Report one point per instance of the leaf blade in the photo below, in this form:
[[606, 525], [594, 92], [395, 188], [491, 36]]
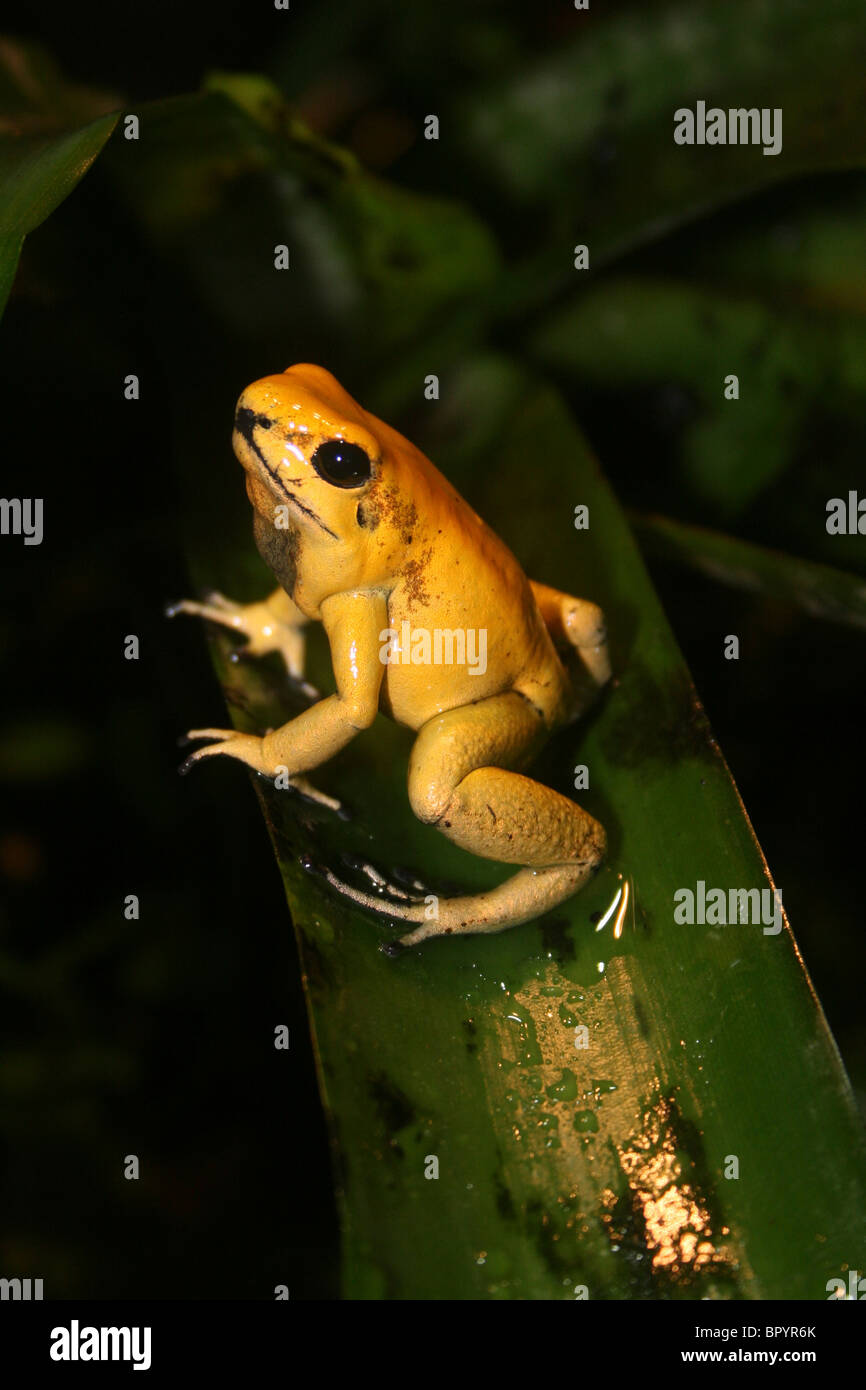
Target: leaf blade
[[563, 1169]]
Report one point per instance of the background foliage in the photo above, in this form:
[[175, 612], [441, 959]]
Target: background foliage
[[409, 257]]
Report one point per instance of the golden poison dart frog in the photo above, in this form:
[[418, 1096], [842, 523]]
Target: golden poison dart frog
[[430, 619]]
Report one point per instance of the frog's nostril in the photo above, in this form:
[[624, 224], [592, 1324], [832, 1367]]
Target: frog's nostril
[[246, 421]]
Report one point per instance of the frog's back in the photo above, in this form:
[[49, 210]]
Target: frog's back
[[459, 584]]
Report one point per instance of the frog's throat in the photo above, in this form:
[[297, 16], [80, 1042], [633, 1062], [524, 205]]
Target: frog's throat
[[278, 549]]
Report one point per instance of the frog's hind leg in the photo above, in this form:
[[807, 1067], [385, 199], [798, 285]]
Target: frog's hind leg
[[579, 634], [462, 780]]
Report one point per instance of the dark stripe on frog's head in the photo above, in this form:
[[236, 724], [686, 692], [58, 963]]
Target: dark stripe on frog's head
[[246, 421]]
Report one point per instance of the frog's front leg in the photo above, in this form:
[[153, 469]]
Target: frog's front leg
[[462, 780], [275, 624], [353, 623]]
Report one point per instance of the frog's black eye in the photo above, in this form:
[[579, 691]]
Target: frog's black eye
[[340, 463]]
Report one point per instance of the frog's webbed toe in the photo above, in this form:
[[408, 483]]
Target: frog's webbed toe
[[386, 897], [389, 900], [275, 624], [403, 887], [308, 792], [247, 748], [526, 895]]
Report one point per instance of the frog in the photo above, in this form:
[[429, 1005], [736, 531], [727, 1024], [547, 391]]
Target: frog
[[366, 536]]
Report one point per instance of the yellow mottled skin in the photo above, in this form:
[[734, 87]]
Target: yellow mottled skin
[[364, 534]]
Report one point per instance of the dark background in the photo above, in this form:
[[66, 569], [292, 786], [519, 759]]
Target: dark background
[[149, 1037]]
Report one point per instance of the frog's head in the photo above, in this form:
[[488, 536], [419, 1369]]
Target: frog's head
[[307, 451], [339, 497]]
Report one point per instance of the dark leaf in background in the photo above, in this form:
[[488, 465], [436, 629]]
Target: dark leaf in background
[[41, 157]]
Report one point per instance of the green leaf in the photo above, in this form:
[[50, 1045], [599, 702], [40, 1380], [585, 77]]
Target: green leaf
[[223, 177], [561, 1166], [579, 145], [819, 590], [636, 331], [40, 160], [804, 249]]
